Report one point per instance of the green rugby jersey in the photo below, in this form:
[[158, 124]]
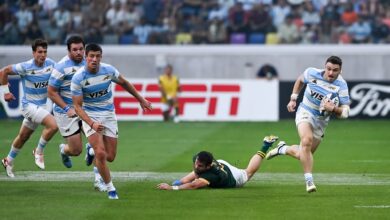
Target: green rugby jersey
[[218, 176]]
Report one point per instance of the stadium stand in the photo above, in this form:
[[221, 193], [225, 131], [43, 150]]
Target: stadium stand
[[163, 21]]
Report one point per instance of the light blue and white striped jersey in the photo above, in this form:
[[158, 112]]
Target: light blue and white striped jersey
[[35, 80], [96, 89], [61, 79], [317, 88]]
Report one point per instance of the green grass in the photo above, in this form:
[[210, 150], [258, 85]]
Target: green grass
[[351, 147]]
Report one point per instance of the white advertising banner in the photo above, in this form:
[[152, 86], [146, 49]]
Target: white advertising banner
[[206, 100], [200, 100]]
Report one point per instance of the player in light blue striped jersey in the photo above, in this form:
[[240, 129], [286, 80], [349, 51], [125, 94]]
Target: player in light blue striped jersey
[[34, 74], [93, 101], [326, 94]]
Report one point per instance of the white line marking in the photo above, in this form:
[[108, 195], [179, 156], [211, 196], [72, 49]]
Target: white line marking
[[266, 178], [373, 206]]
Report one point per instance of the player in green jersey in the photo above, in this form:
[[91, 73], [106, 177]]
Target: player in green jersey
[[208, 172]]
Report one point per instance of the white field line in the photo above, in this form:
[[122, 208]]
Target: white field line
[[373, 206], [266, 178]]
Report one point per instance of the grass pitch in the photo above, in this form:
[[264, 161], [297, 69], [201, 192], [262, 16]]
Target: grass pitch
[[352, 174]]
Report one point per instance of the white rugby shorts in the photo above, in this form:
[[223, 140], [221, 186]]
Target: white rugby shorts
[[66, 125], [239, 175], [319, 125], [109, 122], [33, 115]]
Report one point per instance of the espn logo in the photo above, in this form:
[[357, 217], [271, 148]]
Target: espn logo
[[208, 96]]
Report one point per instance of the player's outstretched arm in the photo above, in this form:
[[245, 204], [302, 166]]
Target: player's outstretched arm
[[145, 104], [196, 184], [4, 72]]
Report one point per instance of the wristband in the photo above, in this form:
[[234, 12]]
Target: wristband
[[66, 108], [294, 97], [175, 187], [4, 89]]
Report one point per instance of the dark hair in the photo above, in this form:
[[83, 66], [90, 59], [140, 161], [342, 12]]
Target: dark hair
[[39, 43], [205, 157], [93, 47], [74, 39], [334, 60]]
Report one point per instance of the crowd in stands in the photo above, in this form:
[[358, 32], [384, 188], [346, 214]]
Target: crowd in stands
[[196, 21]]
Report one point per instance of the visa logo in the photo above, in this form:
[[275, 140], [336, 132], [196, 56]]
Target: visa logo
[[98, 94], [40, 85], [316, 95]]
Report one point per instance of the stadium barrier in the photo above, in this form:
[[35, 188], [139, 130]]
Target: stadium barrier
[[200, 100]]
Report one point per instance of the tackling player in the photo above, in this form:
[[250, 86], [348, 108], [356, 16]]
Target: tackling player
[[314, 112], [208, 172]]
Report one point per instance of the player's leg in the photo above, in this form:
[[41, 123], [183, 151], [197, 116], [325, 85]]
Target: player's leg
[[110, 137], [305, 131], [165, 110], [17, 144], [96, 140], [176, 108], [256, 159], [50, 128], [70, 129]]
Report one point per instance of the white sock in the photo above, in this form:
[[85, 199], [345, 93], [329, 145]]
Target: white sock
[[308, 177], [12, 154], [41, 145], [110, 186], [283, 149], [91, 152], [62, 149], [97, 174]]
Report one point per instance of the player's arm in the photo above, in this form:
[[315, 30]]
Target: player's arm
[[145, 104], [298, 85], [77, 103], [186, 179], [4, 72], [52, 93], [196, 184], [340, 111]]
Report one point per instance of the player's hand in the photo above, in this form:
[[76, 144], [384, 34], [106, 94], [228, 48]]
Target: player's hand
[[327, 105], [9, 97], [146, 105], [98, 126], [71, 113], [291, 105], [164, 186], [176, 183]]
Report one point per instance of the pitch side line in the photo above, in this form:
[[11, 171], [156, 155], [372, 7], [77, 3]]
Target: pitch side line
[[268, 178]]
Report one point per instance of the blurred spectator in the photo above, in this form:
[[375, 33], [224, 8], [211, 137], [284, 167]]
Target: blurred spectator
[[130, 19], [11, 32], [33, 33], [380, 31], [114, 16], [217, 32], [47, 8], [199, 31], [62, 19], [267, 71], [52, 33], [279, 12], [238, 19], [360, 31], [142, 31], [152, 10], [259, 19], [288, 32], [25, 17], [309, 15], [76, 22], [349, 16]]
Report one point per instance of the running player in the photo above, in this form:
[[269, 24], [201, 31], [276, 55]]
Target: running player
[[325, 91], [35, 74]]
